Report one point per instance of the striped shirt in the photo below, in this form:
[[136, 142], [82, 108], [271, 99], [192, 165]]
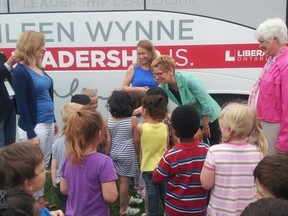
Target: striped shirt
[[181, 167], [234, 187]]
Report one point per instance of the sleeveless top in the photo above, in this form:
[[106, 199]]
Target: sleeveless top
[[143, 77], [153, 145]]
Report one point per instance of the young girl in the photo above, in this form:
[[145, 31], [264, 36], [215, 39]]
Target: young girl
[[167, 119], [124, 147], [87, 175], [154, 140], [228, 168]]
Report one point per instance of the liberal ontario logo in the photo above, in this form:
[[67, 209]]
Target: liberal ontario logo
[[245, 55]]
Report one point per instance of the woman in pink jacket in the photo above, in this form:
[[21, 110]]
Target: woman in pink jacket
[[270, 92]]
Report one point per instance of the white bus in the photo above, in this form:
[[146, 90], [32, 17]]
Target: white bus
[[91, 43]]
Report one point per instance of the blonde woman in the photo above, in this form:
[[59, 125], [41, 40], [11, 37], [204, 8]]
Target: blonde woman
[[34, 97], [184, 88]]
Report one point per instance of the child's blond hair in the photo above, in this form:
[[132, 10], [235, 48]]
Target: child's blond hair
[[90, 92], [242, 122], [68, 109]]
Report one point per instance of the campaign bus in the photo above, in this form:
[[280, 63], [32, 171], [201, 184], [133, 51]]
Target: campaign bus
[[90, 44]]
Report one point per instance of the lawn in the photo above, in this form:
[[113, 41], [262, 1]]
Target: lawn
[[51, 196]]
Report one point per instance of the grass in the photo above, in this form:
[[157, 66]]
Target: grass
[[51, 196]]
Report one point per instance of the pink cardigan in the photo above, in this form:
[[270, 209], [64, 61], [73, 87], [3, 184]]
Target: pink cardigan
[[272, 104]]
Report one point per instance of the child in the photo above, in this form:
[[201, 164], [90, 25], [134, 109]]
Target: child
[[159, 91], [228, 168], [87, 175], [58, 152], [124, 146], [182, 165], [267, 207], [22, 165], [271, 177], [154, 140], [92, 93], [166, 119], [16, 202]]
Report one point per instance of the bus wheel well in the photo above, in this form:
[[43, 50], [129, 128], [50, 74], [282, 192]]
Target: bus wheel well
[[223, 99]]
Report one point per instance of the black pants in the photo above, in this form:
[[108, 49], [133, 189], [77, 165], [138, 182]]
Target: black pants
[[215, 134]]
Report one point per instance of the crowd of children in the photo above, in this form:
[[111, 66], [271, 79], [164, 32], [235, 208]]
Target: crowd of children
[[185, 174]]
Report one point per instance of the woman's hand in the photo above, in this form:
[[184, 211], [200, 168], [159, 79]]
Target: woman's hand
[[205, 127], [56, 129], [206, 131], [35, 140]]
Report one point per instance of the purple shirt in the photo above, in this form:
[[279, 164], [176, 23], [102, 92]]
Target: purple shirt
[[84, 185]]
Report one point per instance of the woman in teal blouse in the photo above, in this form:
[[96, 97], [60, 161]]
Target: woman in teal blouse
[[184, 88]]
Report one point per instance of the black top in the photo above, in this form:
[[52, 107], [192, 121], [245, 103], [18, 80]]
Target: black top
[[6, 104]]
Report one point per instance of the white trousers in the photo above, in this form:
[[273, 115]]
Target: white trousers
[[45, 132], [271, 131]]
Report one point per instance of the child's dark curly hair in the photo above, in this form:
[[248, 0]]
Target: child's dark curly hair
[[155, 105], [119, 104]]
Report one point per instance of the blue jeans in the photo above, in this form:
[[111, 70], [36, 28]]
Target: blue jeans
[[154, 193], [8, 129]]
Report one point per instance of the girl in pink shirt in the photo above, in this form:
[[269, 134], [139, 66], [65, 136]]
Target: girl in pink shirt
[[228, 167]]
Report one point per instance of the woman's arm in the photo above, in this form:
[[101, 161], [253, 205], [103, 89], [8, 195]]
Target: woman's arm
[[22, 85], [206, 127], [128, 79], [198, 91], [282, 138]]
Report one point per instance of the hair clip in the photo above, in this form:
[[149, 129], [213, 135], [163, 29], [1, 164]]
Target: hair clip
[[79, 113], [3, 204], [231, 131]]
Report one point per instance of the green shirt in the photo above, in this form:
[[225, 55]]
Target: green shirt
[[192, 91]]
